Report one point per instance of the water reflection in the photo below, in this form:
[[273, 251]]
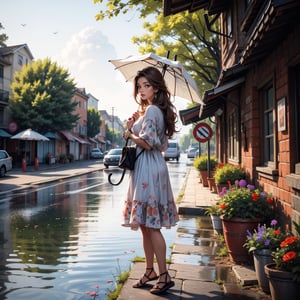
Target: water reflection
[[61, 240]]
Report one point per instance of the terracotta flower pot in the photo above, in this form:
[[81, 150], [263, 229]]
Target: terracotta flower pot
[[282, 286], [203, 176], [211, 184], [235, 235]]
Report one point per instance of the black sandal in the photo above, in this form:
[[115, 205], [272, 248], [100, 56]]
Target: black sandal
[[157, 290], [141, 283]]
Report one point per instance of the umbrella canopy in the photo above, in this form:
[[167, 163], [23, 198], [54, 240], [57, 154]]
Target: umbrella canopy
[[179, 82], [29, 135]]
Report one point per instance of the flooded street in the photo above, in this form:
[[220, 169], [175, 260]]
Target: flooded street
[[61, 240]]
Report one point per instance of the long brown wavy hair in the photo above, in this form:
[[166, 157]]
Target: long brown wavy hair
[[161, 99]]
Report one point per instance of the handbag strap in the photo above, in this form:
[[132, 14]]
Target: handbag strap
[[139, 153]]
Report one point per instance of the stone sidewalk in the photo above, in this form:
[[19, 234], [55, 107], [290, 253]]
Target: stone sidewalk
[[198, 272]]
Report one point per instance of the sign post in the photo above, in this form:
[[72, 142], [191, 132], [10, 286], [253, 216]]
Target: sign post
[[203, 133]]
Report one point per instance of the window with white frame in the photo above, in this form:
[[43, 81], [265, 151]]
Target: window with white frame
[[268, 130], [232, 133]]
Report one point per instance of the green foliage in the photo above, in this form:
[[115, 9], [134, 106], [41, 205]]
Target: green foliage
[[223, 248], [200, 163], [213, 210], [244, 201], [3, 37], [93, 122], [227, 173], [113, 295], [184, 34], [41, 97]]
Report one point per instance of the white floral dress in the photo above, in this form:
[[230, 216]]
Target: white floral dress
[[150, 200]]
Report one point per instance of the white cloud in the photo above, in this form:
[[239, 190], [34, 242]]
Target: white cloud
[[86, 57]]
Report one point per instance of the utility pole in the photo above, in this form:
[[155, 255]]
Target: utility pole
[[113, 127]]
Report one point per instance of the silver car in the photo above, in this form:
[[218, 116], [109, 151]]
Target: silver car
[[5, 163]]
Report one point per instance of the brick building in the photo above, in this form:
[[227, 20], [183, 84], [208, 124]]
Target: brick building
[[256, 102]]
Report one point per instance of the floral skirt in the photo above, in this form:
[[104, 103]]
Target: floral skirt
[[150, 201]]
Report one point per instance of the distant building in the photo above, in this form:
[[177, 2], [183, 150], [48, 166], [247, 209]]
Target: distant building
[[12, 59]]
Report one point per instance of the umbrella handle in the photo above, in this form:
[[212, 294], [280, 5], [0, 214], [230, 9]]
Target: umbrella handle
[[120, 180]]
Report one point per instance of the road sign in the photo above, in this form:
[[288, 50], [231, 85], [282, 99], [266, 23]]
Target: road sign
[[202, 132]]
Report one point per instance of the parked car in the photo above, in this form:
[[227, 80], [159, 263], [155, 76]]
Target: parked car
[[191, 152], [97, 153], [112, 158], [172, 152], [5, 163]]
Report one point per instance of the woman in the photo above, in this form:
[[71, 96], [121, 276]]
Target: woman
[[150, 203]]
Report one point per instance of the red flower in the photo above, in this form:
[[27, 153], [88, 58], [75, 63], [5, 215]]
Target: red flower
[[269, 200], [254, 197], [289, 256], [277, 232], [223, 206], [288, 241]]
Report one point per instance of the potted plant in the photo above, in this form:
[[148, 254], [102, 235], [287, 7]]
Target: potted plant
[[214, 212], [284, 273], [261, 242], [201, 164], [226, 175], [63, 159], [243, 207]]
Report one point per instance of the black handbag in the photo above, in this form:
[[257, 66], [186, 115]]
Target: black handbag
[[127, 161]]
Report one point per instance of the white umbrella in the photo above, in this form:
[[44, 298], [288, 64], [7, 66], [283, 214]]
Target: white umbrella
[[29, 135], [179, 82]]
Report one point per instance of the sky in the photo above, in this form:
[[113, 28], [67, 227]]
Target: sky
[[67, 32]]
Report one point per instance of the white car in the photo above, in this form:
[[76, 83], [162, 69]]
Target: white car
[[5, 163], [97, 153], [172, 152]]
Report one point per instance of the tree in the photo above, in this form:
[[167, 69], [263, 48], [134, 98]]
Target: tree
[[93, 122], [3, 37], [41, 97], [184, 35]]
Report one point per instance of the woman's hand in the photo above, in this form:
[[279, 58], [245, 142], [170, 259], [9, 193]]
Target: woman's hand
[[132, 119], [126, 134]]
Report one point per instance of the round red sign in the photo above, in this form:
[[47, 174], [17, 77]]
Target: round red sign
[[12, 126], [202, 132]]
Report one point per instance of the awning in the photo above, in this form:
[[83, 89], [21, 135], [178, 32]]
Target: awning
[[4, 134], [190, 115], [68, 135], [222, 89], [72, 137], [213, 100], [80, 139], [52, 135]]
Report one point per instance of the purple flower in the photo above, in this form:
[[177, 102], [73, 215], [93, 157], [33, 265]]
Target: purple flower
[[267, 242], [249, 234], [243, 183], [274, 222], [263, 194], [250, 187]]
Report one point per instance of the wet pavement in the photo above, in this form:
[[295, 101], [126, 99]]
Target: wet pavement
[[196, 268]]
